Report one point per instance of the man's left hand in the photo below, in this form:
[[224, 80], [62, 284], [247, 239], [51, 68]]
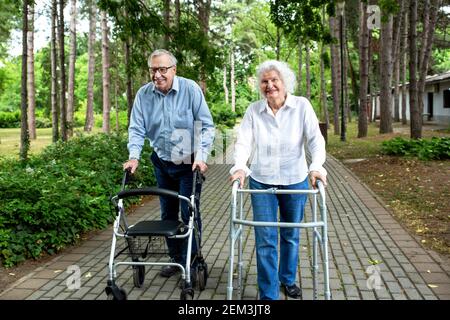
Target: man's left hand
[[201, 165]]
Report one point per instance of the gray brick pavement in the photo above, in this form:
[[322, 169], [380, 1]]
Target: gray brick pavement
[[361, 231]]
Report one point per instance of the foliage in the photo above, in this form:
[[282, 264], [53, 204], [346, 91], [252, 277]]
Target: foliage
[[436, 148], [60, 194], [10, 119], [222, 114], [302, 18]]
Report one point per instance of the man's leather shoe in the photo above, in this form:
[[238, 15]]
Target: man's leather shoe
[[292, 291], [168, 271]]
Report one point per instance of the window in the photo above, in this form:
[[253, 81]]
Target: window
[[447, 98]]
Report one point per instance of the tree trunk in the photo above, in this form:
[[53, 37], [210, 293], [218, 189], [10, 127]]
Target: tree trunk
[[323, 88], [167, 22], [335, 74], [116, 92], [72, 58], [403, 63], [105, 74], [386, 75], [307, 69], [62, 66], [363, 70], [232, 82], [89, 122], [177, 12], [345, 70], [278, 44], [54, 86], [300, 65], [225, 86], [415, 121], [426, 51], [31, 90], [129, 80], [204, 11], [24, 135], [396, 52]]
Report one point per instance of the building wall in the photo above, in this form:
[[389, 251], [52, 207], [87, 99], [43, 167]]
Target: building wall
[[440, 114]]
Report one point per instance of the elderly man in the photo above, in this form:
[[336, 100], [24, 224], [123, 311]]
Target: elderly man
[[171, 112]]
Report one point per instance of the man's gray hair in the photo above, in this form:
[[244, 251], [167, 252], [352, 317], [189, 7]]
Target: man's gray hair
[[160, 52], [286, 74]]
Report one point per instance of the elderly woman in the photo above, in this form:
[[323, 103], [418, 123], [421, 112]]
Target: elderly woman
[[275, 130]]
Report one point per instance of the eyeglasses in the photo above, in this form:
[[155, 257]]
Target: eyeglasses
[[162, 70]]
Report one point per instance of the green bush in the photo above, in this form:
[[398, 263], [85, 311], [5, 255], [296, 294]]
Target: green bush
[[223, 115], [43, 123], [425, 149], [10, 119], [63, 192]]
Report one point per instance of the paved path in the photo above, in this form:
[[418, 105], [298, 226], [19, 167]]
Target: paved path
[[361, 230]]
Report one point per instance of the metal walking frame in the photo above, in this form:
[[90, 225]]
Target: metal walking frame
[[319, 227], [141, 236]]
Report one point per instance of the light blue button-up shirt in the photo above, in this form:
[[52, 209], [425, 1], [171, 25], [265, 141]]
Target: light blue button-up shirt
[[177, 124]]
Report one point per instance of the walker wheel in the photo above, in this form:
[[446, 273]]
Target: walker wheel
[[187, 294], [117, 295], [202, 275], [138, 276]]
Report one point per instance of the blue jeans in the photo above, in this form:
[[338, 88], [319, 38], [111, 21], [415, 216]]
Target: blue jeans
[[265, 208], [179, 178]]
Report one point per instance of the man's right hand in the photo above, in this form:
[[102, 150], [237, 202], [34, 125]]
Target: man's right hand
[[131, 164], [238, 175]]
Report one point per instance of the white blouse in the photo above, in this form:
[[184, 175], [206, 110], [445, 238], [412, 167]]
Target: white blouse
[[274, 144]]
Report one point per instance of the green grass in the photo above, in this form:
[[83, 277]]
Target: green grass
[[354, 147], [10, 140]]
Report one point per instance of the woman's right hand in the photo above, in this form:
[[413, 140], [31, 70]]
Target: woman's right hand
[[238, 175]]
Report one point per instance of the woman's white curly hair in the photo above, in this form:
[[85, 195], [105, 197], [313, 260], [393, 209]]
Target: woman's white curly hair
[[286, 74]]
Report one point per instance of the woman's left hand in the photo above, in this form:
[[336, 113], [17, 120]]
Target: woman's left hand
[[316, 175]]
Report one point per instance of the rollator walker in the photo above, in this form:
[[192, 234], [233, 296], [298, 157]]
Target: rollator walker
[[319, 233], [146, 239]]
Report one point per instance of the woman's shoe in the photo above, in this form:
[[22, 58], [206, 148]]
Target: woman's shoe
[[292, 291]]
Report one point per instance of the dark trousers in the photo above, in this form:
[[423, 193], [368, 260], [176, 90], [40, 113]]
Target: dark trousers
[[176, 177]]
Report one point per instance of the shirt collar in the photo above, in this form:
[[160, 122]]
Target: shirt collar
[[289, 102], [175, 85]]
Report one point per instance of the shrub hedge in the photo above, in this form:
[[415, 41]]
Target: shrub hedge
[[65, 191], [425, 149]]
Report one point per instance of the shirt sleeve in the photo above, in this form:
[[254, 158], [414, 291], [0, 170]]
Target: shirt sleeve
[[244, 143], [203, 126], [136, 130], [315, 140]]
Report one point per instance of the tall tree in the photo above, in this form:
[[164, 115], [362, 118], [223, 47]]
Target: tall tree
[[427, 39], [53, 63], [203, 13], [167, 22], [403, 64], [307, 69], [31, 90], [335, 73], [415, 120], [72, 58], [105, 73], [300, 65], [363, 70], [89, 123], [232, 81], [24, 136], [62, 68], [386, 73]]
